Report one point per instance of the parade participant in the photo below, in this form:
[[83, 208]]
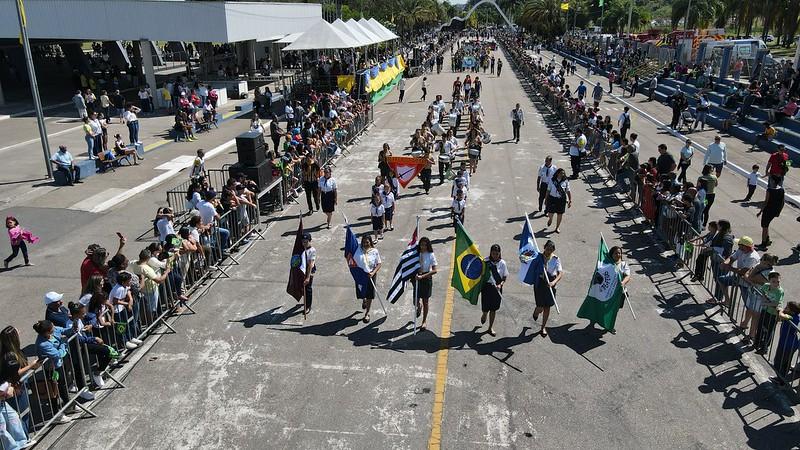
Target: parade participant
[[467, 87], [327, 188], [545, 288], [475, 145], [576, 151], [425, 174], [18, 237], [491, 293], [457, 207], [372, 264], [427, 269], [310, 173], [546, 172], [517, 120], [310, 255], [559, 198], [376, 212], [383, 166], [456, 89], [377, 188], [447, 153], [388, 201]]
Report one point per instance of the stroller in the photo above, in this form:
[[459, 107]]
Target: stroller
[[687, 120]]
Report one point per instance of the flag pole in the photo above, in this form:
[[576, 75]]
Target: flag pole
[[305, 299], [415, 301], [546, 276], [624, 292], [375, 288]]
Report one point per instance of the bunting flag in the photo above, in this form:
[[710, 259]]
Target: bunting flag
[[405, 271], [355, 261], [297, 266], [565, 6], [406, 167], [469, 272]]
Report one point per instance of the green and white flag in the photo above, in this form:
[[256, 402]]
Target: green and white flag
[[605, 292]]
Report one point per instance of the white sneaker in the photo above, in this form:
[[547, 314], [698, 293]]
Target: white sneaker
[[86, 395], [73, 388], [130, 345], [136, 341], [64, 419], [98, 381]]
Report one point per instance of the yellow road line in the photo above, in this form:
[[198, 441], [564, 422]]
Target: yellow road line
[[155, 145], [229, 114], [435, 441]]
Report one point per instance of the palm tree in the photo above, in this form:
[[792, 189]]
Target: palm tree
[[543, 17]]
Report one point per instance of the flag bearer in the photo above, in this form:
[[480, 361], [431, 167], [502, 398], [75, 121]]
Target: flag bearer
[[491, 293], [310, 255], [545, 288]]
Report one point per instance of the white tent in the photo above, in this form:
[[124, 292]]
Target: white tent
[[352, 32], [289, 38], [323, 36], [375, 38], [379, 27], [365, 24]]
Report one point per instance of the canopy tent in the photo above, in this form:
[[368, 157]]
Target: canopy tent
[[355, 33], [271, 38], [323, 36], [379, 27], [365, 24], [289, 38], [365, 31]]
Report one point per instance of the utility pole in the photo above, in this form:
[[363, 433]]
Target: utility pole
[[37, 103], [630, 16], [686, 20]]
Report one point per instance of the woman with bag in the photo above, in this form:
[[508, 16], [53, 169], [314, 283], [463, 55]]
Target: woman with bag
[[559, 198], [491, 293]]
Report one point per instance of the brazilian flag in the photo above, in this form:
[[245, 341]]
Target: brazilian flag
[[469, 272]]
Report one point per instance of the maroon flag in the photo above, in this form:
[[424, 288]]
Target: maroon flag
[[297, 266]]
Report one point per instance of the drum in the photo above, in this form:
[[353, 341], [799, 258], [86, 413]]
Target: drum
[[445, 158], [416, 153], [474, 152], [451, 120], [486, 138], [437, 129]]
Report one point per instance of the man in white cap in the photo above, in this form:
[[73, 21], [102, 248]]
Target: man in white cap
[[56, 312], [745, 257]]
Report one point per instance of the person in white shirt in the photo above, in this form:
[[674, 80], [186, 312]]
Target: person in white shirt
[[458, 207], [546, 172], [517, 120], [208, 214], [576, 151], [289, 112], [492, 291], [624, 122], [744, 258], [388, 201], [401, 86], [372, 264], [545, 288], [133, 124], [424, 88], [716, 155], [164, 224], [687, 152], [376, 212], [559, 198], [327, 189], [424, 280]]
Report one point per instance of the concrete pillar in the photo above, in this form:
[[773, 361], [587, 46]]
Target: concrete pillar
[[149, 72], [727, 52], [251, 56]]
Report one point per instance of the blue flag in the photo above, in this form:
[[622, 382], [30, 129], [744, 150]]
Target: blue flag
[[530, 258], [355, 261]]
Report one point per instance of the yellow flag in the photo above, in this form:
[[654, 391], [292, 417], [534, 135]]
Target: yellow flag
[[24, 19], [565, 6]]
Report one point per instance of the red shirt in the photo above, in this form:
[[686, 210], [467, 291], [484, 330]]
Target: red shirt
[[88, 268], [776, 161]]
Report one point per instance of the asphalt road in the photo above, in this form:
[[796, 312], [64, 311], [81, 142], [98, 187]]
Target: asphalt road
[[248, 372]]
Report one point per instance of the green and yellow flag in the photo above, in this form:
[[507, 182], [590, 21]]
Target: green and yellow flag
[[565, 6], [469, 272]]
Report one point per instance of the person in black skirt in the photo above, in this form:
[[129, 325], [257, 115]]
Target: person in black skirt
[[559, 198], [491, 293], [772, 207], [427, 269], [545, 288], [372, 264], [376, 212], [327, 188]]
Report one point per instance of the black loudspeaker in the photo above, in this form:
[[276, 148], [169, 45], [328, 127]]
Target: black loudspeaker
[[261, 173], [250, 148]]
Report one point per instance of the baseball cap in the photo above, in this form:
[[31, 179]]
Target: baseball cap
[[52, 297], [306, 236], [747, 241]]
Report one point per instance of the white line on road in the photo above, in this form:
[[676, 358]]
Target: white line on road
[[31, 141], [110, 203]]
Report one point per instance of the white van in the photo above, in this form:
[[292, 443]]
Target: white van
[[742, 48]]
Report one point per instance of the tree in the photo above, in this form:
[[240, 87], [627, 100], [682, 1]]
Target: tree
[[543, 17]]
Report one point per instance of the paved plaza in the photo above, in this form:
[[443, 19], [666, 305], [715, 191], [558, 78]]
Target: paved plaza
[[248, 372]]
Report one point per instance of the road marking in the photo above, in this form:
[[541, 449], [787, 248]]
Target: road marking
[[88, 203], [31, 141], [110, 203], [155, 145], [435, 441]]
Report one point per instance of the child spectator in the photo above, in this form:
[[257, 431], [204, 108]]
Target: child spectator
[[752, 183], [788, 342], [458, 207], [18, 237]]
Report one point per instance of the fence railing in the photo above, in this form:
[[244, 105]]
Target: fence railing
[[776, 340]]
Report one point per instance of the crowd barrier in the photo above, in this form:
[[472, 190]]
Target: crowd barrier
[[775, 340]]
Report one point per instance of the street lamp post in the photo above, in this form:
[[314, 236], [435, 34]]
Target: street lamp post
[[686, 20], [37, 103], [630, 16]]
